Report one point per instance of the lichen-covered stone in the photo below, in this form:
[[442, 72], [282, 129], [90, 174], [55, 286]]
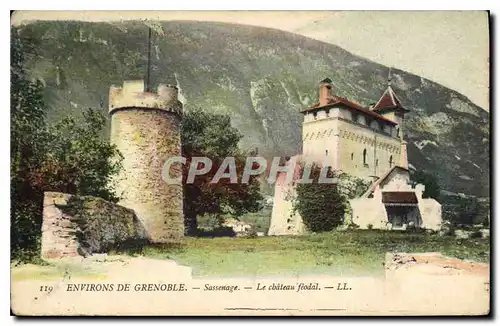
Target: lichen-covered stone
[[79, 225]]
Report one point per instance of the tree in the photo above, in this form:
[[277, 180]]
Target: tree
[[77, 160], [432, 189], [320, 205], [67, 157], [27, 121], [212, 136]]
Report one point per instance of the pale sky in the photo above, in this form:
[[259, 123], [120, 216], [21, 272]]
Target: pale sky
[[448, 47]]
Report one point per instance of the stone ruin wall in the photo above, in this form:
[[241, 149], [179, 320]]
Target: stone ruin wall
[[58, 238], [82, 225]]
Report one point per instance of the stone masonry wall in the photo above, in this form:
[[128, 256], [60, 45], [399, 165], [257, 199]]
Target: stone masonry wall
[[147, 138], [284, 220], [81, 225]]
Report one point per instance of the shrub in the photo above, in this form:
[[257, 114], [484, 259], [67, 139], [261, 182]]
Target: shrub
[[352, 226], [432, 189], [476, 235], [320, 204], [223, 231]]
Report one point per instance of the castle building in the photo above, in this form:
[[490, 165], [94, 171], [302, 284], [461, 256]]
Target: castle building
[[366, 143], [145, 127]]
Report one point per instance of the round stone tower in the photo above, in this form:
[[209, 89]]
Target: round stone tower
[[146, 129]]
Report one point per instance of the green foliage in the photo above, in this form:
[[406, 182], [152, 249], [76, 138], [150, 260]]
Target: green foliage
[[260, 220], [320, 205], [66, 157], [27, 120], [312, 199], [212, 136], [476, 235], [78, 161], [466, 210], [432, 189], [350, 186]]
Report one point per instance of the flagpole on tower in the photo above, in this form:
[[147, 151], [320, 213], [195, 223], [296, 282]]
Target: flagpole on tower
[[157, 28], [148, 71]]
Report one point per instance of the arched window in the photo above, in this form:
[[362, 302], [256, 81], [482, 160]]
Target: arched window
[[364, 156], [390, 161], [326, 152]]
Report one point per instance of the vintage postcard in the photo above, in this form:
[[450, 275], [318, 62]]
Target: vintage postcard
[[250, 163]]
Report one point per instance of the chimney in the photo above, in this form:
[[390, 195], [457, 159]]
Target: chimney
[[325, 91]]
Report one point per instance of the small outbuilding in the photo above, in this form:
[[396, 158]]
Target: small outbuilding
[[392, 203]]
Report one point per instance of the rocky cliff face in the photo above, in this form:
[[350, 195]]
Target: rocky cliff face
[[261, 78]]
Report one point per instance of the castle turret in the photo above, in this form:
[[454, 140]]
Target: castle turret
[[390, 107], [146, 129]]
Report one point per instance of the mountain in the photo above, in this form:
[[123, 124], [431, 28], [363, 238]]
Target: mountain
[[262, 78]]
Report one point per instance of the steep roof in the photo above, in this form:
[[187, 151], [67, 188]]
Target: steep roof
[[336, 100], [389, 100]]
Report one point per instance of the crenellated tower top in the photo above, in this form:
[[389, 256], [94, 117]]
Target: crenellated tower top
[[132, 95]]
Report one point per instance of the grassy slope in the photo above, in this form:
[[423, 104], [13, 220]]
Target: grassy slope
[[338, 253], [355, 253]]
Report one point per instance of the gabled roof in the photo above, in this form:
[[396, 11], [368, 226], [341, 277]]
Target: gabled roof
[[336, 100], [389, 100], [382, 179]]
